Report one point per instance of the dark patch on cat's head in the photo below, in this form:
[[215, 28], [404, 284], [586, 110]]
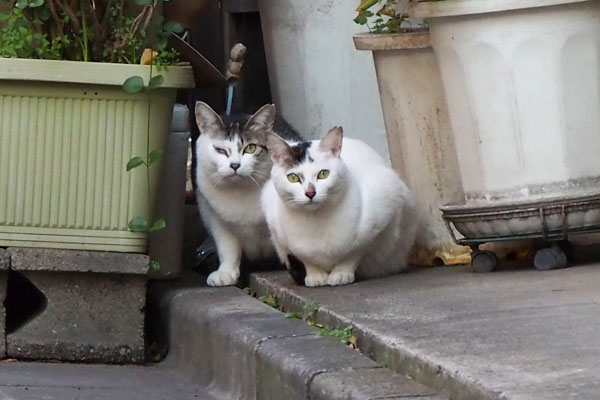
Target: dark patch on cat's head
[[287, 155], [249, 128], [233, 127], [299, 153], [296, 269]]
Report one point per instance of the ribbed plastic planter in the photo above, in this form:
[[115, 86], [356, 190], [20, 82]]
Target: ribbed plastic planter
[[67, 130], [419, 136]]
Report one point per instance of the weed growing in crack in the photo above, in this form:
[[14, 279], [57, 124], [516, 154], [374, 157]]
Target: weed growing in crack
[[344, 334]]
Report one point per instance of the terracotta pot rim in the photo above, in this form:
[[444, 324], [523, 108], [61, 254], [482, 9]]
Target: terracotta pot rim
[[392, 41]]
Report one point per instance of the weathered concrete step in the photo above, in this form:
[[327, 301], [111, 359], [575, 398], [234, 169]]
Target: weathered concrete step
[[512, 335], [387, 349], [34, 381], [224, 339]]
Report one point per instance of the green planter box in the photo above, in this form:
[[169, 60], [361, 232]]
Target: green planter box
[[67, 130]]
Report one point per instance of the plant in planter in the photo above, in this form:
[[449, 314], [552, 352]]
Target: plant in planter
[[68, 128], [418, 130], [388, 18], [76, 113]]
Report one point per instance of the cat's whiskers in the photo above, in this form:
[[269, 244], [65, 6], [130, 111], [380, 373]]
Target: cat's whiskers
[[261, 174], [218, 181], [254, 180]]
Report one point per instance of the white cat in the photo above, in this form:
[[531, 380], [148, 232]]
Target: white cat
[[340, 211], [232, 166]]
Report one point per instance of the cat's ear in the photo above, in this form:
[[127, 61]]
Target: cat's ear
[[264, 118], [332, 142], [280, 151], [209, 122]]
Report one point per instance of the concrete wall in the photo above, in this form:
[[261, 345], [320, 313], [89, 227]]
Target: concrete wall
[[318, 79]]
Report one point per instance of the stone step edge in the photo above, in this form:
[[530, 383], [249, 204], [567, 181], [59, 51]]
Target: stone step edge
[[394, 356], [242, 346]]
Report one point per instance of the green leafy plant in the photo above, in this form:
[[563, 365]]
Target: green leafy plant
[[271, 301], [19, 38], [344, 334], [387, 19], [87, 30], [308, 314], [135, 84]]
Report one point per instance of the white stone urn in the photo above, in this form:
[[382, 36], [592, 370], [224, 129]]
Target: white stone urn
[[522, 84]]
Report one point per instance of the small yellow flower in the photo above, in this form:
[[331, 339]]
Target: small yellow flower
[[148, 56]]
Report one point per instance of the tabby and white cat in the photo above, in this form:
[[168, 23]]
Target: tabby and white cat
[[232, 167], [337, 211]]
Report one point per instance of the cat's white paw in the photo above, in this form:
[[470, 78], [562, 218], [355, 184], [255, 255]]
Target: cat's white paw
[[222, 278], [314, 279], [337, 278]]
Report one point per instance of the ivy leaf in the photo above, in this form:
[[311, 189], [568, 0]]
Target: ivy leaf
[[133, 84], [22, 4], [361, 20], [156, 82], [143, 2], [154, 266], [161, 43], [44, 13], [158, 225], [138, 224], [36, 3], [173, 26], [154, 156], [134, 163]]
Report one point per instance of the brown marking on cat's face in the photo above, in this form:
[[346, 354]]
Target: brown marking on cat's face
[[288, 155], [309, 174]]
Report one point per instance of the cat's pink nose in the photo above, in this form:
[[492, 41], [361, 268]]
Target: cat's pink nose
[[234, 166], [310, 194]]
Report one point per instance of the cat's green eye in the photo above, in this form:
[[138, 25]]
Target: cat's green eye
[[293, 178], [324, 173], [251, 148]]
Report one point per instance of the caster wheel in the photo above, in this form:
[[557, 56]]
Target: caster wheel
[[484, 261], [568, 248], [550, 258]]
